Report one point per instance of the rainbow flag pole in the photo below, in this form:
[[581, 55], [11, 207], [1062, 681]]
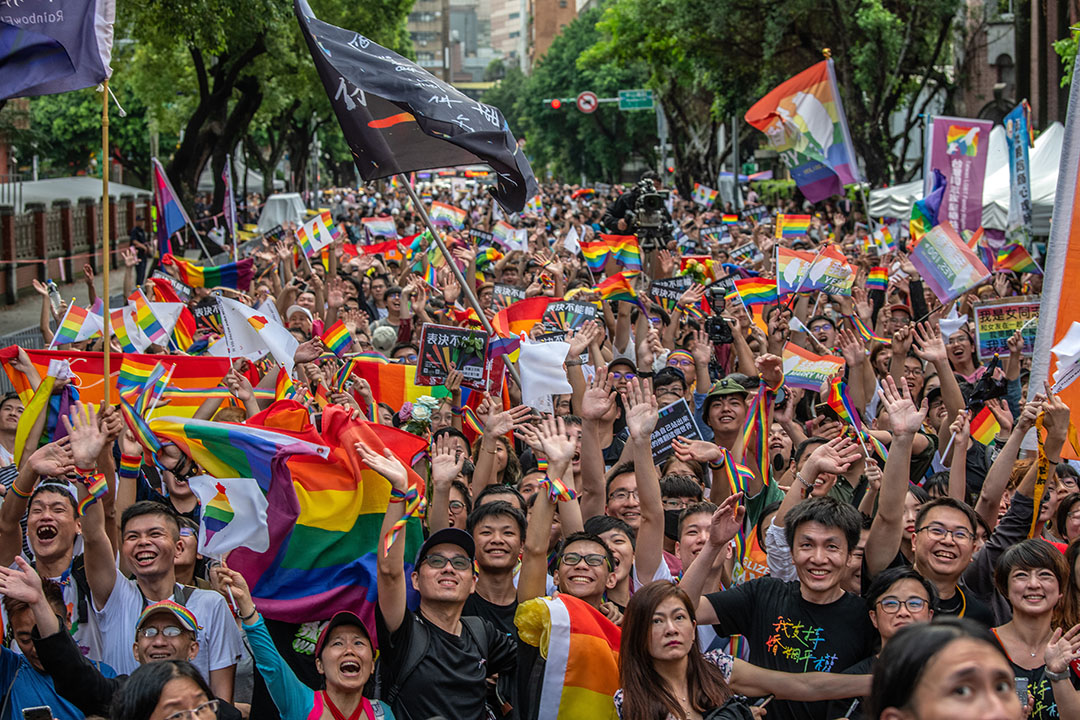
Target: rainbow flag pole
[[465, 286]]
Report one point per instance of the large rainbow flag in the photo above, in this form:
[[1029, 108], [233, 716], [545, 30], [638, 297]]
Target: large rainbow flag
[[803, 119], [394, 384], [237, 275], [520, 317], [325, 523], [581, 651], [188, 372]]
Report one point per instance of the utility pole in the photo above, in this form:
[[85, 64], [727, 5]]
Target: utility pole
[[446, 39]]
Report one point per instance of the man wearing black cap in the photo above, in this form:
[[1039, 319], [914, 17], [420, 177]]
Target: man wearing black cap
[[434, 661]]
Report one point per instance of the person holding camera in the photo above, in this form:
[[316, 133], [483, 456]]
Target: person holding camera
[[619, 216]]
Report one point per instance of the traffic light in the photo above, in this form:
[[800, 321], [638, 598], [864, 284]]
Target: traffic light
[[556, 104]]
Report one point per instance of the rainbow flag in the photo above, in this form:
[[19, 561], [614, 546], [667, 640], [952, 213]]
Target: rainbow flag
[[72, 326], [509, 346], [581, 647], [324, 516], [596, 254], [447, 215], [703, 195], [756, 428], [865, 333], [520, 317], [625, 248], [135, 373], [139, 427], [583, 192], [237, 275], [878, 279], [984, 427], [792, 269], [146, 320], [619, 287], [394, 384], [792, 225], [535, 206], [380, 226], [284, 387], [840, 402], [1014, 257], [756, 290], [924, 213], [502, 231], [337, 338], [729, 219], [234, 515], [316, 234], [977, 242]]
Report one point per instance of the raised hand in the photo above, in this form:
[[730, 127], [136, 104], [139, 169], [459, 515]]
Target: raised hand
[[309, 350], [901, 341], [904, 417], [88, 273], [557, 445], [498, 421], [961, 429], [87, 437], [581, 337], [130, 257], [453, 381], [599, 397], [727, 520], [929, 345], [852, 347], [642, 413], [239, 385], [111, 422], [702, 451], [700, 348], [692, 295], [1055, 415], [446, 461], [386, 464], [21, 582], [665, 263], [1062, 649], [233, 583], [835, 456], [1001, 412], [771, 369], [1030, 413]]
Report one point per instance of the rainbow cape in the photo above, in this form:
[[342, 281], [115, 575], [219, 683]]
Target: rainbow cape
[[581, 651], [237, 275]]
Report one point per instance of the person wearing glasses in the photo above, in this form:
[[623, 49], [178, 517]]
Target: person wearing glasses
[[164, 632], [895, 599], [434, 661], [169, 690]]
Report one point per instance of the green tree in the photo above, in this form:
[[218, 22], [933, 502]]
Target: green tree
[[566, 141]]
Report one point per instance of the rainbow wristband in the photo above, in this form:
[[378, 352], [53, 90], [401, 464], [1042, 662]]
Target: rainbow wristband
[[19, 493], [557, 489], [96, 487], [541, 465], [130, 466], [397, 496], [778, 385]]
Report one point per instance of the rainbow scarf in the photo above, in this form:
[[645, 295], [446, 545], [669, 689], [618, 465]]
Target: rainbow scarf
[[581, 651], [237, 275], [864, 332], [756, 427], [738, 475]]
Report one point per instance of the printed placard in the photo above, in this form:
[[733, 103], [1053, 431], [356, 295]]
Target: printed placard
[[443, 346], [507, 294], [676, 419], [482, 237], [995, 322], [567, 314], [183, 291], [208, 314], [804, 369], [670, 288]]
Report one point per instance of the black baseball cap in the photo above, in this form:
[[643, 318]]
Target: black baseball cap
[[342, 617], [447, 536]]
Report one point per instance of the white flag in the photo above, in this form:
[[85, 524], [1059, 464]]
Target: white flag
[[233, 515], [542, 373], [247, 330], [572, 242]]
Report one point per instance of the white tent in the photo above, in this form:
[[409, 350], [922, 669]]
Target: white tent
[[281, 208], [254, 179], [1044, 158], [71, 188]]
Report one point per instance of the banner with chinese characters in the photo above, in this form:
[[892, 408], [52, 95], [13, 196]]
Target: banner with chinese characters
[[996, 321], [1019, 137], [959, 148], [444, 347]]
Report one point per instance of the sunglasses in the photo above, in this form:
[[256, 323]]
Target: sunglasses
[[458, 562]]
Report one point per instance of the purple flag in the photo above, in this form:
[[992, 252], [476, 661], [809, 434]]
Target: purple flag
[[959, 148]]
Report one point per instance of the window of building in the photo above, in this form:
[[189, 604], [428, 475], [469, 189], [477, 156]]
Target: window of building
[[515, 34], [514, 15]]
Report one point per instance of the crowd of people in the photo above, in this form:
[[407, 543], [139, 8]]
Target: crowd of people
[[774, 559]]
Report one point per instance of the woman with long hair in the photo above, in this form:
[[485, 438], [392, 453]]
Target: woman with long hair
[[1031, 576], [344, 656], [665, 675], [950, 669], [161, 690]]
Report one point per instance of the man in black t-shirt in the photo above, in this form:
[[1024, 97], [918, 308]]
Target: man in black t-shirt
[[805, 626], [498, 529]]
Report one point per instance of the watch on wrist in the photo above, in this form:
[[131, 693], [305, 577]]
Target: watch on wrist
[[1054, 676]]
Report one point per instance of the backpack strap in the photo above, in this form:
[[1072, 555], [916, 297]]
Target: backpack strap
[[415, 653]]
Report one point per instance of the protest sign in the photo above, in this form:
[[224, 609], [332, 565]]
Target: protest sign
[[715, 232], [208, 314], [804, 369], [482, 237], [182, 290], [1019, 138], [745, 254], [947, 264], [670, 288], [995, 322], [675, 420], [507, 294], [443, 346], [959, 148], [567, 314]]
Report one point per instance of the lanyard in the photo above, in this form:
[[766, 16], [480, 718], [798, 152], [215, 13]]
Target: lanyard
[[363, 707]]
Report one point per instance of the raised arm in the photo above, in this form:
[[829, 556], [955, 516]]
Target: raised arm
[[559, 448], [641, 418], [726, 522], [52, 460], [997, 479], [961, 438], [598, 400], [497, 422], [446, 465], [390, 580], [885, 533]]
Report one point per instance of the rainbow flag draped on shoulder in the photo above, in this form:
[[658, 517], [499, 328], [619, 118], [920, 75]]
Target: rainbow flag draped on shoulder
[[580, 648]]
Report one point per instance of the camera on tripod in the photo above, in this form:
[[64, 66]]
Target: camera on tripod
[[650, 218]]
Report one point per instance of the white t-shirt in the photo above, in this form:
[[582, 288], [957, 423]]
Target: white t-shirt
[[220, 644]]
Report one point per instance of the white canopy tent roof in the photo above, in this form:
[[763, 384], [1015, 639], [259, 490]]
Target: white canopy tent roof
[[281, 208], [254, 179], [71, 188], [896, 201]]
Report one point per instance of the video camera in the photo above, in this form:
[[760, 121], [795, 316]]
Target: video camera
[[649, 216]]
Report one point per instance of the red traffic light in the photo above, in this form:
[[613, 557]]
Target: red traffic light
[[556, 104]]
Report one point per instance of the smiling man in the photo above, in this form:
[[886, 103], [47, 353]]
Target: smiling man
[[498, 529]]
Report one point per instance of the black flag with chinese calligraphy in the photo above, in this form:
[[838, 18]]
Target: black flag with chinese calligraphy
[[398, 117]]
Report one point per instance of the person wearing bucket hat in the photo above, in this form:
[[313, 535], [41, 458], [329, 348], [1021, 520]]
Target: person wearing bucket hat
[[344, 656], [435, 662]]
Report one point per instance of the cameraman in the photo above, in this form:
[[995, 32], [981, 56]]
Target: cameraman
[[618, 216]]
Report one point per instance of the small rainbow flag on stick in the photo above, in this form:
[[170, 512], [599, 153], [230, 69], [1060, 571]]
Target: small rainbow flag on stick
[[596, 254], [447, 215], [379, 227], [74, 327], [234, 515], [337, 338], [703, 195], [756, 290], [1014, 257], [984, 427], [316, 233], [619, 287], [878, 279], [146, 320], [792, 225]]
